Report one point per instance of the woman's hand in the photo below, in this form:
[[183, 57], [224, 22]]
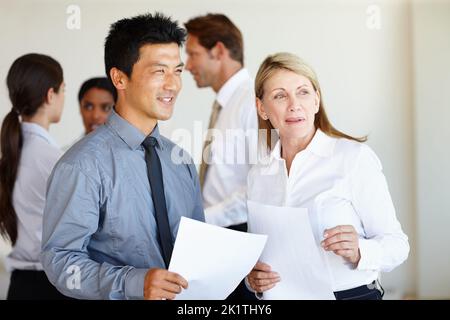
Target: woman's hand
[[261, 278], [344, 241]]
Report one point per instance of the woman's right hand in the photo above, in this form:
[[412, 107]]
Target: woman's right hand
[[262, 278]]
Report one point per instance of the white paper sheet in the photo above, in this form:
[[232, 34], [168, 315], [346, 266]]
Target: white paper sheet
[[292, 251], [213, 259]]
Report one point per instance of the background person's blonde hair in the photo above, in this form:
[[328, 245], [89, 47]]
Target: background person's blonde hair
[[289, 61]]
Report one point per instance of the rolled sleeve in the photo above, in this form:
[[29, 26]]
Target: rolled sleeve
[[134, 284], [258, 295]]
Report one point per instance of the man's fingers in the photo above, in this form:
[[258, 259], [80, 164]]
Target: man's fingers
[[170, 287], [177, 279], [165, 295], [168, 295], [160, 294]]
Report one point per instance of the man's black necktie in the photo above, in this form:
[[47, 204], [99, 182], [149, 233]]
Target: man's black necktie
[[155, 177]]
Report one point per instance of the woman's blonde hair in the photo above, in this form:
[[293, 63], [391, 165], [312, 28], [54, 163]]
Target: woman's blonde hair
[[289, 61]]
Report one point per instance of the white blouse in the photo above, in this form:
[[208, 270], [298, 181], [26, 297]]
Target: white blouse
[[39, 155], [340, 182]]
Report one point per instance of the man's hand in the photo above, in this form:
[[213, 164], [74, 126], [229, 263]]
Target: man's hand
[[161, 284]]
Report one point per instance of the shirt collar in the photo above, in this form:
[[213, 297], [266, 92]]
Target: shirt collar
[[131, 135], [321, 145], [227, 90], [35, 129]]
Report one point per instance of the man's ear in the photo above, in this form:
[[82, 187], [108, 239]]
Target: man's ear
[[219, 50], [118, 78]]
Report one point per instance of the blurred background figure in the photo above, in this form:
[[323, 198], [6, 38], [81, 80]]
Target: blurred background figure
[[96, 98], [36, 90], [215, 58], [215, 52]]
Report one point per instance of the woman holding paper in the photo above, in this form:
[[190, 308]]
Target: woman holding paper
[[319, 194]]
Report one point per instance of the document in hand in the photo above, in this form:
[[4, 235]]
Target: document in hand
[[292, 252], [213, 259]]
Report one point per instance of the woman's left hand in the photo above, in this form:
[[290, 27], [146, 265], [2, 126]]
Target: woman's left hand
[[343, 240]]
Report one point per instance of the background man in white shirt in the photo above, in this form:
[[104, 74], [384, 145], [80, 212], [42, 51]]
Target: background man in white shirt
[[214, 49]]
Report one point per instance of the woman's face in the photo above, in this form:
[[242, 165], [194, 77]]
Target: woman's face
[[290, 102], [95, 106]]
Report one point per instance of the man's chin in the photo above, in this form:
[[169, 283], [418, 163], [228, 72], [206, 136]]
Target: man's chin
[[164, 117], [202, 85]]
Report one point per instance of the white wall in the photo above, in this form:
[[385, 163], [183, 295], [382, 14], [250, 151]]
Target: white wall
[[366, 74], [432, 100]]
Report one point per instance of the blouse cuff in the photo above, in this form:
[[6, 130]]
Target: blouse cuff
[[258, 295], [370, 251]]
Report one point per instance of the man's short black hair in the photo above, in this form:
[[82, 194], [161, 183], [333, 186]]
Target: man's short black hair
[[128, 35], [99, 83]]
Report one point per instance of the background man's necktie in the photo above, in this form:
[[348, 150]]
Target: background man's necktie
[[155, 177], [208, 140]]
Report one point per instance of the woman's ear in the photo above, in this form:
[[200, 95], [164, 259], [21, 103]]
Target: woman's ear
[[317, 102], [50, 95], [260, 108]]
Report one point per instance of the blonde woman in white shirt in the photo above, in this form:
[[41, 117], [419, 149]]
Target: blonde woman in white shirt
[[36, 89], [329, 179]]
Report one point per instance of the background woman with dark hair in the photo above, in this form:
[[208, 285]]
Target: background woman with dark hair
[[96, 98], [28, 154]]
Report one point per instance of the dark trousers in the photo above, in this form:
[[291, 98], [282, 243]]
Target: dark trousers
[[32, 285], [241, 292], [366, 292]]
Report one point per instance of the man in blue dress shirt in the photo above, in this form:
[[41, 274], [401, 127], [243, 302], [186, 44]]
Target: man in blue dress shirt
[[102, 233]]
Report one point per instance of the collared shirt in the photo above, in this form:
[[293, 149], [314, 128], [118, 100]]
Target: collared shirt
[[340, 182], [234, 145], [99, 222], [68, 146], [39, 155]]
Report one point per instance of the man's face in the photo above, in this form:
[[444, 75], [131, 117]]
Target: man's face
[[155, 82], [201, 63], [95, 106]]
